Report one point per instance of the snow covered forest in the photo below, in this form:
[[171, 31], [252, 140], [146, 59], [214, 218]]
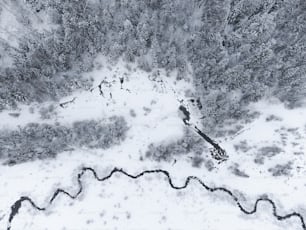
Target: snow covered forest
[[239, 51]]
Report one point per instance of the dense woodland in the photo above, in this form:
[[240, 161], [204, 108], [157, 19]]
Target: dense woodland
[[239, 50]]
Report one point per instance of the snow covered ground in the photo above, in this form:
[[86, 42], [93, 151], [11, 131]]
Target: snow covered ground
[[149, 102]]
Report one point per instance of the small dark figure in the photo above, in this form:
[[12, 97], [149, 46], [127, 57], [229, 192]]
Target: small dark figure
[[199, 104], [186, 114], [100, 89], [121, 82]]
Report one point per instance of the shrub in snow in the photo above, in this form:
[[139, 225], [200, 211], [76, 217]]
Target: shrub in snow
[[281, 169], [190, 143], [40, 141]]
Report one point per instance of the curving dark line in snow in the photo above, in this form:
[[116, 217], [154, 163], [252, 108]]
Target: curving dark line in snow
[[17, 205], [65, 104]]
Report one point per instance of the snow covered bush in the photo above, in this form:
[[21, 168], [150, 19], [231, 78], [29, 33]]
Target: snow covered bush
[[93, 134], [191, 143], [40, 141]]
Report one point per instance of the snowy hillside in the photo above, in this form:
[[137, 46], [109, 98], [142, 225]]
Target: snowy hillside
[[151, 115]]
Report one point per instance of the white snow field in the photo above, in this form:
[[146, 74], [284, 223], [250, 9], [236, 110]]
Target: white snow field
[[150, 108]]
